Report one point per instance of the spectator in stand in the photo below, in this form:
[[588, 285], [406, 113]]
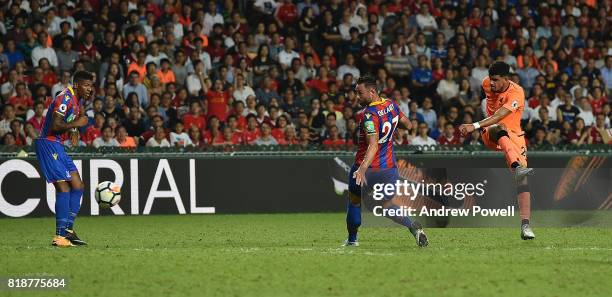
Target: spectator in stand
[[88, 51], [8, 115], [333, 139], [241, 90], [62, 84], [111, 110], [194, 117], [107, 139], [165, 73], [286, 56], [134, 85], [134, 124], [599, 133], [606, 73], [124, 139], [252, 132], [266, 92], [426, 22], [74, 141], [422, 138], [227, 137], [196, 82], [38, 119], [422, 79], [429, 115], [66, 56], [540, 137], [567, 112], [178, 137], [196, 137], [448, 89], [449, 136], [372, 54], [18, 133], [217, 101], [397, 64], [94, 131], [266, 136], [586, 113], [158, 139], [44, 51], [139, 66], [22, 101]]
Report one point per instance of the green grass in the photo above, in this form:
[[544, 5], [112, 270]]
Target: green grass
[[300, 255]]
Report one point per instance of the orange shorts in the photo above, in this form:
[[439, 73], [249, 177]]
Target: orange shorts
[[517, 138]]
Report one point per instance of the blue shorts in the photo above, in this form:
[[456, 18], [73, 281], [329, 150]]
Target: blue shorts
[[55, 164], [373, 177]]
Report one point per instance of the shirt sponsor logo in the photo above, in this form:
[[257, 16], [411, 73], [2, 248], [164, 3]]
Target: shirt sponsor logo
[[369, 126]]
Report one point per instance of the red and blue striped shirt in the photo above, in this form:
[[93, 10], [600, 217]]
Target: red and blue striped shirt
[[379, 117], [66, 104]]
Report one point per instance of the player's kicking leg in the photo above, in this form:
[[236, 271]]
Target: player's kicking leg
[[513, 154], [415, 228], [391, 176]]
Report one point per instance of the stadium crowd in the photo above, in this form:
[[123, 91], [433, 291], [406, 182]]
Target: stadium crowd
[[201, 73]]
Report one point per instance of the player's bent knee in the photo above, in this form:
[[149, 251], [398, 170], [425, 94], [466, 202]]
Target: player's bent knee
[[389, 205], [499, 134], [76, 182], [355, 199], [523, 188], [62, 186], [77, 185]]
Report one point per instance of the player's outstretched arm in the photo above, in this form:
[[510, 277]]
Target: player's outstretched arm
[[60, 126], [499, 115], [371, 152], [406, 122]]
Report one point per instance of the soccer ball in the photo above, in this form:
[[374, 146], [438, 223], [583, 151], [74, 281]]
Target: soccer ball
[[108, 194]]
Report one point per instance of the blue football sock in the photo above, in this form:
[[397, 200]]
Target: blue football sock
[[75, 205], [353, 220], [62, 210], [402, 220]]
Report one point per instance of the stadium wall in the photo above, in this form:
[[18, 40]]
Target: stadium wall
[[229, 185]]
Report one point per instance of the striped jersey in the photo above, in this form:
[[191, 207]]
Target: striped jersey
[[379, 117], [65, 103]]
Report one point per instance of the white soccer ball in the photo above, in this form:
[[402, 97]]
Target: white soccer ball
[[108, 194]]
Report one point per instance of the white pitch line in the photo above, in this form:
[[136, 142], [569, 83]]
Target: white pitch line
[[578, 248]]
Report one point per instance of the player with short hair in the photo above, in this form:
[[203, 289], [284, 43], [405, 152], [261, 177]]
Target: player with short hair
[[64, 115], [501, 130], [375, 162]]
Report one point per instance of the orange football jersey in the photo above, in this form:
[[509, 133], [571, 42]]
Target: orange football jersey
[[512, 99]]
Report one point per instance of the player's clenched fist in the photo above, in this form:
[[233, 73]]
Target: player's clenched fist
[[466, 129]]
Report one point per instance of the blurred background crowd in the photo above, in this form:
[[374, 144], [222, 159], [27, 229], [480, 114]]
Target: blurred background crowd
[[266, 72]]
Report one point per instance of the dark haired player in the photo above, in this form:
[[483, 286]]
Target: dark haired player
[[64, 115], [375, 162], [501, 130]]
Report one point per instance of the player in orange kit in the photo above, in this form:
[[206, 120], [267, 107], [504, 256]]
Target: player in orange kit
[[501, 130]]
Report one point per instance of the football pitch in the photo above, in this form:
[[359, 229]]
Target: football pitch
[[300, 255]]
